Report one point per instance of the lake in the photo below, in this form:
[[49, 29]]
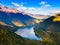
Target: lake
[[28, 32]]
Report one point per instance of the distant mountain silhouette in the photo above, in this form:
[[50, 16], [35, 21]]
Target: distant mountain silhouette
[[49, 24], [9, 17]]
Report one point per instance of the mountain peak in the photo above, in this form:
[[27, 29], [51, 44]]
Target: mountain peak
[[7, 9], [56, 17]]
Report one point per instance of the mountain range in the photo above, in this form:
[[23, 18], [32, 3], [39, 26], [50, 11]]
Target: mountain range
[[49, 29], [12, 19]]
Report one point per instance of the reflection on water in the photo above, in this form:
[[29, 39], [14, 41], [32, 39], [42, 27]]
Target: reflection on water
[[27, 33]]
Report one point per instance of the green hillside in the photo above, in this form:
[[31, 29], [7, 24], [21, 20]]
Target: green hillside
[[49, 30], [9, 38]]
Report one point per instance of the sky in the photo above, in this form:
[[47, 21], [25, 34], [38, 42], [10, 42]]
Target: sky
[[34, 6]]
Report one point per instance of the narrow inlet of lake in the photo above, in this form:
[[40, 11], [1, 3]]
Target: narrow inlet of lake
[[27, 32]]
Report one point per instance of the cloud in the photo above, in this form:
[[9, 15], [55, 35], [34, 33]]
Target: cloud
[[47, 5], [15, 4], [19, 7], [55, 12], [32, 10], [58, 11], [1, 5], [43, 2]]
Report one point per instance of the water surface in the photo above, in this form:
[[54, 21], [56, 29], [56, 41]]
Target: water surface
[[27, 32]]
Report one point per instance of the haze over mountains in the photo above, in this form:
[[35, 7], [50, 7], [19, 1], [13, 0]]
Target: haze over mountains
[[10, 16], [11, 20], [14, 17], [8, 9]]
